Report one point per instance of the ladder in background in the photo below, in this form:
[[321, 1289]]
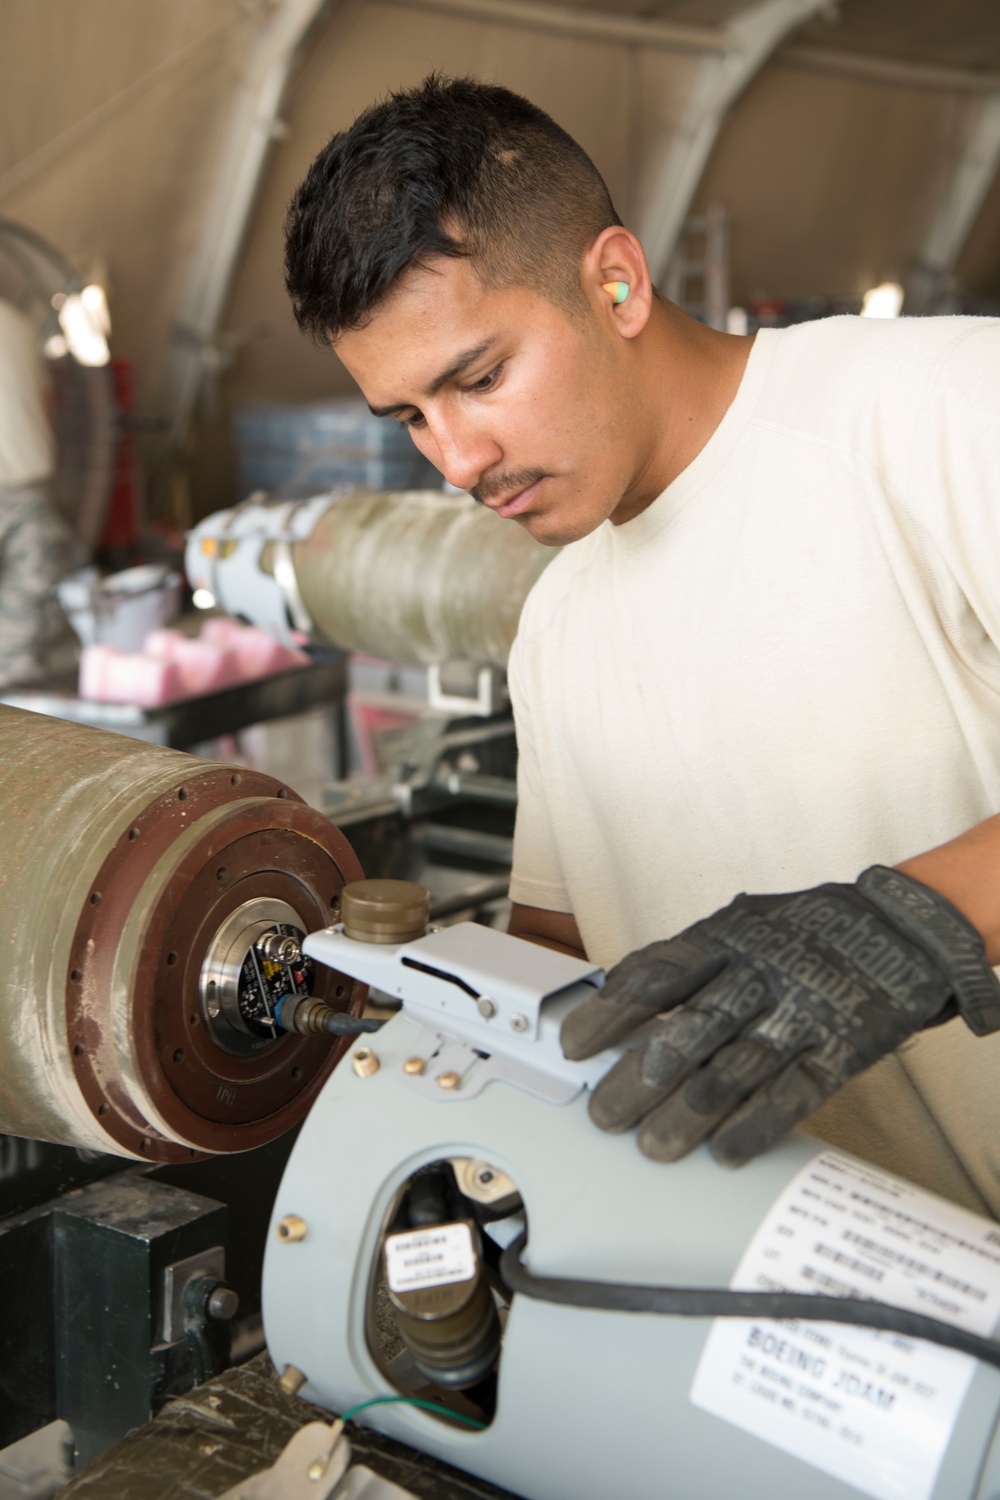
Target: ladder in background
[[697, 278]]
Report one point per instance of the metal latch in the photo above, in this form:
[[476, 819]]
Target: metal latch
[[315, 1466]]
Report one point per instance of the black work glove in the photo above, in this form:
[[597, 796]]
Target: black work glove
[[772, 1004]]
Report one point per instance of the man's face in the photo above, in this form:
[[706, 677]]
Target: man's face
[[505, 393]]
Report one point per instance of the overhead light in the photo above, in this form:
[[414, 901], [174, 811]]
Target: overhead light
[[55, 347], [95, 300], [203, 599], [883, 301], [85, 322]]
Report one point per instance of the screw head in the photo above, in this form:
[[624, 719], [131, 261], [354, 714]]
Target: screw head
[[486, 1007], [223, 1303], [291, 1229], [485, 1176], [364, 1062], [519, 1023], [214, 1009], [414, 1065], [448, 1081]]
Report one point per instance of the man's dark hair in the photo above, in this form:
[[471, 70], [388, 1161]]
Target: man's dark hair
[[454, 168]]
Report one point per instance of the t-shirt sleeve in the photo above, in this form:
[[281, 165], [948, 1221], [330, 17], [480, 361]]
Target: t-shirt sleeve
[[955, 468], [536, 878]]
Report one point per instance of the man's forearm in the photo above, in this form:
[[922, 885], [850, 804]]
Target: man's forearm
[[966, 871], [550, 929]]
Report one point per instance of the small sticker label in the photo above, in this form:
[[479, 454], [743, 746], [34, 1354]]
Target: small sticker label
[[873, 1409], [429, 1257]]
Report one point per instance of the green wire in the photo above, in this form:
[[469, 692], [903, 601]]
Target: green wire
[[445, 1411]]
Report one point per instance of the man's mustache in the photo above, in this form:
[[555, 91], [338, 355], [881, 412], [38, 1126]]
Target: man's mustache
[[506, 484]]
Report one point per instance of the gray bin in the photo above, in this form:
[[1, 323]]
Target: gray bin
[[294, 451]]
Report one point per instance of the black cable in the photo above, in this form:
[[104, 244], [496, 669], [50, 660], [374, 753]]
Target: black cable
[[717, 1302], [339, 1023]]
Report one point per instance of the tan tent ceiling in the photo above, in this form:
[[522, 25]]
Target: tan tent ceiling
[[858, 142]]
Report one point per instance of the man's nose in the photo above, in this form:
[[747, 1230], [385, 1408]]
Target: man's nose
[[462, 452]]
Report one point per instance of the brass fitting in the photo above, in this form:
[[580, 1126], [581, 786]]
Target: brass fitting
[[364, 1062], [291, 1380], [292, 1229]]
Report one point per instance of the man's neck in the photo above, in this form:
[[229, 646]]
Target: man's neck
[[690, 375]]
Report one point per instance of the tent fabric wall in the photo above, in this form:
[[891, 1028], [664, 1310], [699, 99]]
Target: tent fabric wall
[[115, 112], [979, 263], [112, 113], [842, 201], [950, 33]]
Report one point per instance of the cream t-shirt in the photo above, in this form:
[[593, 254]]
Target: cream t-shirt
[[788, 668]]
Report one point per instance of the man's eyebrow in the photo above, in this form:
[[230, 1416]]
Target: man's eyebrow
[[456, 367]]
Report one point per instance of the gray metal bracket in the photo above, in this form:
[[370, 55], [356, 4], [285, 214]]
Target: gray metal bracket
[[489, 1007]]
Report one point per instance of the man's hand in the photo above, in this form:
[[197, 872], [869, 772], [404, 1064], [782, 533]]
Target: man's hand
[[772, 1004]]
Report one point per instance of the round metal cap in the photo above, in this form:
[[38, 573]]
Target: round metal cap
[[384, 911], [223, 1303]]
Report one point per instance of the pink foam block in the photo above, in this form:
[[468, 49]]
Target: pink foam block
[[108, 675], [259, 654], [172, 665], [219, 630], [162, 643], [203, 668]]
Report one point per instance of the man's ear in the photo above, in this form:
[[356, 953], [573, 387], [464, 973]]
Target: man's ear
[[616, 280]]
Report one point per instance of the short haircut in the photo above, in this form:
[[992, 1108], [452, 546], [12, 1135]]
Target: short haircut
[[451, 168]]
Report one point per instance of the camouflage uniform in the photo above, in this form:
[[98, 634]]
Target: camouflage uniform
[[36, 545], [37, 548]]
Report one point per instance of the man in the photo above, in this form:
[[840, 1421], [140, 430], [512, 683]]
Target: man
[[768, 659], [36, 546]]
